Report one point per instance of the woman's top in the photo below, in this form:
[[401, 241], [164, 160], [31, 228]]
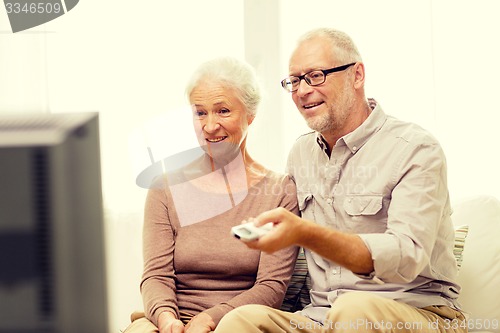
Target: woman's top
[[196, 265]]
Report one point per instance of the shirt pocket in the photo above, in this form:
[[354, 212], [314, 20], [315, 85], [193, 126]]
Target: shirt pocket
[[365, 213], [306, 204], [362, 204]]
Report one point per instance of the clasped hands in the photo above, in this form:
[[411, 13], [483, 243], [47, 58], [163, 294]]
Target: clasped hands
[[201, 323]]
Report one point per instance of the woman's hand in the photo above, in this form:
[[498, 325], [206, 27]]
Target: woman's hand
[[168, 323], [201, 323]]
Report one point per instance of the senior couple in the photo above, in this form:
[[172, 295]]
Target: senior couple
[[378, 244]]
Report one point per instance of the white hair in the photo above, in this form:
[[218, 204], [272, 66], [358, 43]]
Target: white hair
[[343, 46], [232, 73]]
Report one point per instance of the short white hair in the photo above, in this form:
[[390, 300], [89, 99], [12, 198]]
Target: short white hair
[[342, 44], [231, 73]]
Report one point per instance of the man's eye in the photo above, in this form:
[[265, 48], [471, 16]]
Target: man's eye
[[315, 75]]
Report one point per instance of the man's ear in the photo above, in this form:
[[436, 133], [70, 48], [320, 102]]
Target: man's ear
[[359, 75]]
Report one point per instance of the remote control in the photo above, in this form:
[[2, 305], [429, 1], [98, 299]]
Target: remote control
[[249, 232]]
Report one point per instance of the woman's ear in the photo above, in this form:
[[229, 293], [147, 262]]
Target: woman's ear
[[250, 119]]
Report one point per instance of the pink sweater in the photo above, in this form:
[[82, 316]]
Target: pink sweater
[[201, 267]]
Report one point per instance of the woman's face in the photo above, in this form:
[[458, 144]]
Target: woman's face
[[220, 119]]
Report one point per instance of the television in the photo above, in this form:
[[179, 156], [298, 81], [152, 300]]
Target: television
[[52, 253]]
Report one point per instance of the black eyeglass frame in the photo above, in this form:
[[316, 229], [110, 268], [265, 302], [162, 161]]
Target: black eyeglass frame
[[305, 78]]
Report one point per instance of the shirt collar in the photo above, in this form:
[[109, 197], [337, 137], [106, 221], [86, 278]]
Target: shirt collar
[[357, 138], [322, 143]]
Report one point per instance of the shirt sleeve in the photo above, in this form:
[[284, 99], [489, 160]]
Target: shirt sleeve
[[418, 205]]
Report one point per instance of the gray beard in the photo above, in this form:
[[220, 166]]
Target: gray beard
[[328, 122], [335, 118], [320, 123]]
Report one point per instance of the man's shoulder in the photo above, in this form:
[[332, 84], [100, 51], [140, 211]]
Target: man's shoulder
[[311, 134], [304, 142], [306, 138], [410, 132]]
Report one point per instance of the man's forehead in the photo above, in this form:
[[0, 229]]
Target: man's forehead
[[311, 55]]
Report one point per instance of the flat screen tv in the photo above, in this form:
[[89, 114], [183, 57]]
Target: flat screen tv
[[52, 253]]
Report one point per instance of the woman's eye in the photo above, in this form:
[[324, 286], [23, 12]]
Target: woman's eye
[[224, 112], [199, 113]]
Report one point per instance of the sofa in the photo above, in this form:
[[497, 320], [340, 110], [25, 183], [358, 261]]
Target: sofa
[[477, 251], [479, 274]]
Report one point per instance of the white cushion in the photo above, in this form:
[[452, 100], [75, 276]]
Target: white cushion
[[479, 275]]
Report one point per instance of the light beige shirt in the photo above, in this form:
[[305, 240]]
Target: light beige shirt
[[385, 181]]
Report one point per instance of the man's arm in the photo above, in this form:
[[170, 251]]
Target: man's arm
[[347, 250]]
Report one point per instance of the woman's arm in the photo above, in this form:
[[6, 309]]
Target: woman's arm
[[158, 285]]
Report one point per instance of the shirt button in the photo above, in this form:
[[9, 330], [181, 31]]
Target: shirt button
[[329, 201], [354, 148]]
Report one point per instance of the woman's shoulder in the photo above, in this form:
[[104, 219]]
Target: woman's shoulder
[[279, 177], [280, 187], [279, 183]]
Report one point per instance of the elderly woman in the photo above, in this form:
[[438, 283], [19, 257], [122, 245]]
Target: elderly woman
[[195, 271]]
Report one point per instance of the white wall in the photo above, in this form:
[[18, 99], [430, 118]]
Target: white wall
[[432, 62], [466, 50]]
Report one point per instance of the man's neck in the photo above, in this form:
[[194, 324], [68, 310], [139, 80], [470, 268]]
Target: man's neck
[[356, 117]]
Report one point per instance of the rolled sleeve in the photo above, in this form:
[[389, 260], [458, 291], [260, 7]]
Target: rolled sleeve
[[386, 256]]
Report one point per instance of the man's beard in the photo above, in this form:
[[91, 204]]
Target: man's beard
[[336, 116]]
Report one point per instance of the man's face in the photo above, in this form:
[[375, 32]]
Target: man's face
[[325, 107]]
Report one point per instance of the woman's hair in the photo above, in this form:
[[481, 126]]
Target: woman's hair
[[231, 73], [343, 46]]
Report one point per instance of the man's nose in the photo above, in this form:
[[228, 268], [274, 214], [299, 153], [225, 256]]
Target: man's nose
[[304, 88]]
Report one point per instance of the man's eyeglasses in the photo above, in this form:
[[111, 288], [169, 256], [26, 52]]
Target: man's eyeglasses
[[313, 78]]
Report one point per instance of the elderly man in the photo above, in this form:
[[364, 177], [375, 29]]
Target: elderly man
[[375, 213]]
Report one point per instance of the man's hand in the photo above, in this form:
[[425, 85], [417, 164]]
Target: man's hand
[[201, 323], [168, 323], [285, 233]]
